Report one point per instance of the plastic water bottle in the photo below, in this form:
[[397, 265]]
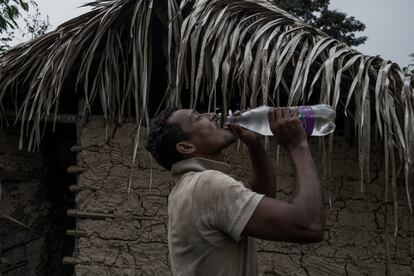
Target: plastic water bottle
[[318, 120]]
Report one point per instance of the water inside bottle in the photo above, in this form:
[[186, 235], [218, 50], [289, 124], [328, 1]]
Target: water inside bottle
[[318, 120], [256, 120], [323, 126], [324, 120]]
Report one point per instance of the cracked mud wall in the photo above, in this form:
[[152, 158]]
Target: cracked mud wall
[[134, 242]]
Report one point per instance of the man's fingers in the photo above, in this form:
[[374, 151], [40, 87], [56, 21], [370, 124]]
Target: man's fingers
[[295, 113], [272, 116], [239, 112], [287, 113], [236, 128], [279, 114]]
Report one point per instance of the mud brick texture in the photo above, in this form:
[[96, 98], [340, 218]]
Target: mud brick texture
[[135, 241]]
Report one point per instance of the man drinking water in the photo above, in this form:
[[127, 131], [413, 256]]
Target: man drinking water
[[213, 218]]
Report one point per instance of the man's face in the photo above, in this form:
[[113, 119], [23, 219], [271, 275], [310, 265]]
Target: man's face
[[203, 131]]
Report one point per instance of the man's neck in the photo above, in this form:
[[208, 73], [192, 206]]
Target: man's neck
[[215, 157]]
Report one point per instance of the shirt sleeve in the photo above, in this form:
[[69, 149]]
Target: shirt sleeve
[[227, 204]]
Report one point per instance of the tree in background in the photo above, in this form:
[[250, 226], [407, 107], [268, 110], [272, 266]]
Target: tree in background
[[412, 57], [411, 66], [334, 23], [10, 11], [36, 25]]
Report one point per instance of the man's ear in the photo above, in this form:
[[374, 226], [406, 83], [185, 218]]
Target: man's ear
[[185, 148]]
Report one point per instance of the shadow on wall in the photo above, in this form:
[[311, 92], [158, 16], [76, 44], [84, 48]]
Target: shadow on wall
[[35, 192]]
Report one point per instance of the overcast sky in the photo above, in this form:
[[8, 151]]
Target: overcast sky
[[389, 23]]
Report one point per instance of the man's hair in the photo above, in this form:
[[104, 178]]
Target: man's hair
[[163, 138]]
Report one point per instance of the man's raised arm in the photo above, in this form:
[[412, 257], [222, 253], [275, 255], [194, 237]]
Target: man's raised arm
[[303, 219], [263, 177]]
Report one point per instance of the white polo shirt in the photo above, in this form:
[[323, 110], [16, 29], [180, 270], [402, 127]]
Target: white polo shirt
[[208, 211]]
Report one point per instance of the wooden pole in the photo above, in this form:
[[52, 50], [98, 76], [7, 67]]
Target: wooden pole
[[76, 233], [76, 170], [83, 214], [73, 261], [68, 118]]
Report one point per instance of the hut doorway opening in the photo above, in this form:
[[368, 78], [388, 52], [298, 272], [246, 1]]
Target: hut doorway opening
[[35, 192]]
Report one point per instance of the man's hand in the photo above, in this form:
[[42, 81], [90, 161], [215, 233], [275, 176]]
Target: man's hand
[[302, 219], [250, 138], [287, 128], [263, 179]]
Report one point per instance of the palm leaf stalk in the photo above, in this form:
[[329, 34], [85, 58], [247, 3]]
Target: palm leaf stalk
[[110, 49], [9, 218], [218, 51]]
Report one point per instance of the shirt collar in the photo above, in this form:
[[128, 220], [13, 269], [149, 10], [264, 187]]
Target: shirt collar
[[197, 164]]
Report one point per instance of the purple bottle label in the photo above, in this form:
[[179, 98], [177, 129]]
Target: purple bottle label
[[308, 119]]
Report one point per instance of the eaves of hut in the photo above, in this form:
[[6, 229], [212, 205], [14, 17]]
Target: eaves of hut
[[79, 189]]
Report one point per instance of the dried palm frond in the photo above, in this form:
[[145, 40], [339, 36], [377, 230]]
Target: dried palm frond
[[252, 50], [219, 51], [109, 47]]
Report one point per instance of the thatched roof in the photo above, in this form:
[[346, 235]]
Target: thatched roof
[[216, 52]]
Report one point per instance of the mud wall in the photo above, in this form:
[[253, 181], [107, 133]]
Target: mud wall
[[24, 200], [34, 191], [122, 216]]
